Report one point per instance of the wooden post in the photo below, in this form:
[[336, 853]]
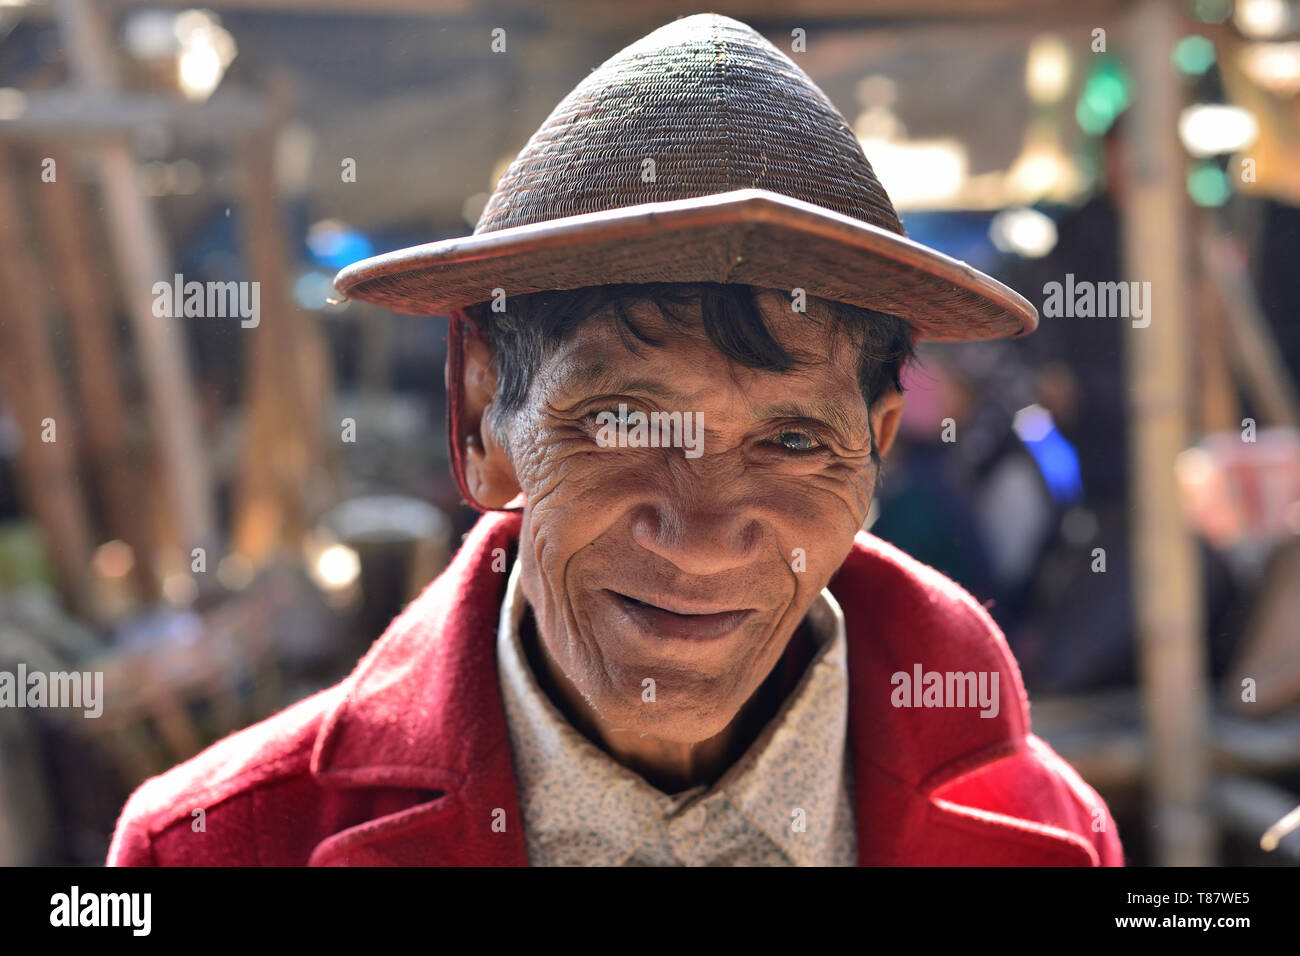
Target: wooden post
[[1249, 338], [1171, 652], [1219, 409], [142, 261], [273, 452], [34, 394], [90, 305], [288, 380]]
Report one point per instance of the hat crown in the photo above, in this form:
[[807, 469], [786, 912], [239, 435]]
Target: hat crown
[[701, 106]]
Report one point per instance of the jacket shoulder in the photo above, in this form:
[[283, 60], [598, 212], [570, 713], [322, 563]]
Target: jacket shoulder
[[220, 780]]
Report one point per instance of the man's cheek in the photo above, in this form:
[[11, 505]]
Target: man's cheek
[[545, 460], [596, 481], [841, 496], [815, 523]]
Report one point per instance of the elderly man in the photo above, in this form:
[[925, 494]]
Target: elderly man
[[674, 369]]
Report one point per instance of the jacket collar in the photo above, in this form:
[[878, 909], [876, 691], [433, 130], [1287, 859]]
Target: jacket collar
[[902, 614], [423, 710]]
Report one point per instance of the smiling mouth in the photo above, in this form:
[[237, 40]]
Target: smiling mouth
[[660, 622]]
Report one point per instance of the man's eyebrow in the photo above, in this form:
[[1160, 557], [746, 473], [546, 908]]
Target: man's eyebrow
[[832, 413], [599, 377]]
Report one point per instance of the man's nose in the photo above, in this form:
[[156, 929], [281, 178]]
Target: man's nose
[[699, 538]]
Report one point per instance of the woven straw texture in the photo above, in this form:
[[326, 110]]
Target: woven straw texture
[[715, 107]]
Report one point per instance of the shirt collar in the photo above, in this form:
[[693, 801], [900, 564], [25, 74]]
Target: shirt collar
[[603, 820]]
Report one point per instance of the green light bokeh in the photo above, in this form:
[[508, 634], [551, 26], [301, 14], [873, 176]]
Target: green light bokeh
[[1207, 185]]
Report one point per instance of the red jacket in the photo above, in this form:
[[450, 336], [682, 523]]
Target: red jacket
[[406, 760]]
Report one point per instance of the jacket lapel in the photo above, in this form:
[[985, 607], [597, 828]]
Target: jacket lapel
[[424, 711], [900, 613]]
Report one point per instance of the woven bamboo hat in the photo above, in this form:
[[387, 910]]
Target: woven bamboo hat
[[700, 153]]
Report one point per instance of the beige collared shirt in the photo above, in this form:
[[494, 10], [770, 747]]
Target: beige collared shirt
[[786, 802]]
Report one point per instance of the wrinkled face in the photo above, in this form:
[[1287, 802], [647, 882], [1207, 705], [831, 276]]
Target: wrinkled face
[[690, 566]]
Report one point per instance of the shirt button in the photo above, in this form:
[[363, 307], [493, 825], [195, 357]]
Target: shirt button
[[694, 819]]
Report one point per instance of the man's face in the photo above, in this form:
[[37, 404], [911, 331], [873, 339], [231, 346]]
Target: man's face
[[689, 570]]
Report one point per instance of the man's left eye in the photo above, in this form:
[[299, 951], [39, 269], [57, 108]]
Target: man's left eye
[[797, 441], [611, 416]]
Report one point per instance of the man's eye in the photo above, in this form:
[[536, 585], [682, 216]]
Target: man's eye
[[797, 441], [609, 416]]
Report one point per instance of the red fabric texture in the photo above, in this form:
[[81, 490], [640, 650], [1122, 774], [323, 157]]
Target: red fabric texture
[[407, 761]]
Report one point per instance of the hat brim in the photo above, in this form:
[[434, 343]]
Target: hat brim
[[748, 236]]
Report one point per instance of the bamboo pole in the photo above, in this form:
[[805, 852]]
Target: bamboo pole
[[273, 451], [1250, 338], [1172, 658], [89, 303], [289, 382], [1218, 409], [142, 261], [88, 117], [34, 393]]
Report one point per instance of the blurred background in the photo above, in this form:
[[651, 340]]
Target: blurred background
[[220, 515]]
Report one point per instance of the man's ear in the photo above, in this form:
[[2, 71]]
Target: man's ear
[[489, 473], [886, 414]]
